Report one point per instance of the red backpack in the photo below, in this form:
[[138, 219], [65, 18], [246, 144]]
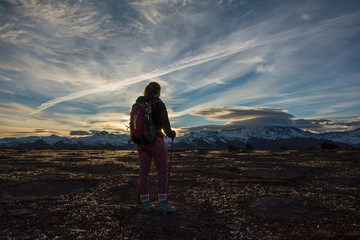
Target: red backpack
[[142, 128]]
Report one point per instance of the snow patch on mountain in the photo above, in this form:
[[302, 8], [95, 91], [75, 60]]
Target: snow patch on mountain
[[212, 139], [269, 133], [100, 138], [245, 134]]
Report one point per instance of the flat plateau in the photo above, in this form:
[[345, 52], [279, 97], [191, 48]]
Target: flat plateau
[[93, 194]]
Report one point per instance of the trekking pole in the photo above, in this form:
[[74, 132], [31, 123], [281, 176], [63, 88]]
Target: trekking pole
[[171, 149]]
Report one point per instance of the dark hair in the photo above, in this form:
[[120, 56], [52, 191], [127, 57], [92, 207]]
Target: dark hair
[[151, 90]]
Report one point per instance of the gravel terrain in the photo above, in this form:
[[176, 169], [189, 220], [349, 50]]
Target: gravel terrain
[[93, 194]]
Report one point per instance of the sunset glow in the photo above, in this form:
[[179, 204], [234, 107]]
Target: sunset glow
[[68, 67]]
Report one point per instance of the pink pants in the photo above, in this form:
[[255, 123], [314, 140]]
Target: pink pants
[[158, 152]]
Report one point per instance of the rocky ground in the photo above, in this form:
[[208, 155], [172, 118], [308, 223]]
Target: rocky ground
[[92, 194]]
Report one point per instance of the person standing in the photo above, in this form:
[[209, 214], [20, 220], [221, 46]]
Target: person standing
[[155, 151]]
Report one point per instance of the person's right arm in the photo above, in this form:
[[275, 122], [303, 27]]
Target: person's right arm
[[164, 121]]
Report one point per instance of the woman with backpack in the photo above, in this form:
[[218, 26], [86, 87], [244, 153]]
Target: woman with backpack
[[155, 150]]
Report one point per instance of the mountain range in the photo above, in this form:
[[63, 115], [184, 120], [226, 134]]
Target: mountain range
[[256, 137]]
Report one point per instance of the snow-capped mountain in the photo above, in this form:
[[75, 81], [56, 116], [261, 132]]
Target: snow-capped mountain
[[103, 138], [350, 137], [258, 137], [97, 140], [269, 133], [265, 138]]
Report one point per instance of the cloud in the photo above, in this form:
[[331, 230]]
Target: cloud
[[339, 125], [255, 59], [79, 133], [149, 12], [97, 131], [37, 132], [220, 49], [311, 124], [15, 108], [57, 41], [256, 117], [6, 106], [247, 115], [264, 68], [64, 17], [149, 49], [185, 130], [5, 78], [9, 34], [16, 121], [226, 47], [179, 65], [104, 52], [350, 124], [40, 130], [305, 16]]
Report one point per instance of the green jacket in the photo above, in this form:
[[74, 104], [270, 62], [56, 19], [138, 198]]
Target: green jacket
[[159, 116]]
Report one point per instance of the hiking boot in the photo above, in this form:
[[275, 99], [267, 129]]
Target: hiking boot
[[147, 207], [164, 207]]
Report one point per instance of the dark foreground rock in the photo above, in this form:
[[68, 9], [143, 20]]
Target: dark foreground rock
[[92, 194]]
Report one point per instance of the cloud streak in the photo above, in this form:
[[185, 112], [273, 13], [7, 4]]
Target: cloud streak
[[185, 63], [221, 50], [98, 55]]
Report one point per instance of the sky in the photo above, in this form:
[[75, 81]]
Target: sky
[[72, 68]]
